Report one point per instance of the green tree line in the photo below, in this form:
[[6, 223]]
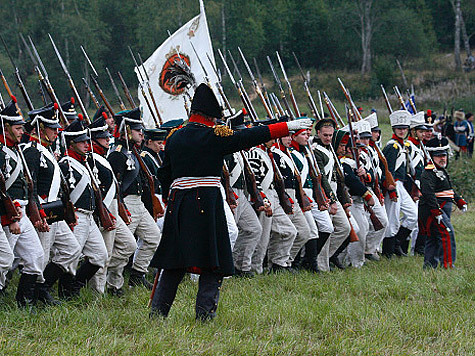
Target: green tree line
[[324, 34]]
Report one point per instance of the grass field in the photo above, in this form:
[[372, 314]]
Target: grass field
[[385, 308]]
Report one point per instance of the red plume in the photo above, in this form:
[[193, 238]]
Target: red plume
[[72, 100], [104, 115], [56, 106], [14, 99], [429, 112], [80, 117]]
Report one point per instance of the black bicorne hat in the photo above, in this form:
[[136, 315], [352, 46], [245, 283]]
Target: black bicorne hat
[[10, 114], [155, 134], [205, 102], [47, 115], [75, 132], [99, 128], [438, 146]]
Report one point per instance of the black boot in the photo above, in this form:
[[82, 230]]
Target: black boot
[[138, 279], [51, 274], [334, 259], [66, 287], [25, 295], [389, 244], [420, 245], [85, 273], [402, 244], [322, 239], [309, 261]]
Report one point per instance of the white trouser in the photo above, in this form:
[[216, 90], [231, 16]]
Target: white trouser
[[250, 231], [341, 230], [60, 244], [147, 231], [90, 239], [278, 235], [232, 227], [322, 218], [6, 257], [374, 238], [356, 249], [26, 246], [120, 245], [300, 223], [404, 205]]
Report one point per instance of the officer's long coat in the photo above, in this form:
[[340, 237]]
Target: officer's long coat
[[195, 234]]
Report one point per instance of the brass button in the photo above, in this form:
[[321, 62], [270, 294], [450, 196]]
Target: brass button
[[202, 211], [198, 198]]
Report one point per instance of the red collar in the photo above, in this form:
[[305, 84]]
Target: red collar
[[201, 120], [401, 141], [9, 142], [280, 146], [414, 140], [98, 149], [295, 145], [76, 156]]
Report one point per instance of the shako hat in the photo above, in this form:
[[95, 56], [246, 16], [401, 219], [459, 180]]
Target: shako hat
[[132, 118], [70, 110], [46, 115], [205, 102], [400, 119], [155, 134], [373, 120], [171, 124], [364, 128], [10, 114], [75, 132], [438, 146], [237, 121], [99, 128], [418, 121]]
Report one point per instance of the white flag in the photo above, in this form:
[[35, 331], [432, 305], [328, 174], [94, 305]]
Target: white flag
[[170, 97]]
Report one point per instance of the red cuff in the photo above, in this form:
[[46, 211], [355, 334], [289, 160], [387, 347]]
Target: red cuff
[[278, 130], [393, 194], [17, 204], [42, 213], [367, 196], [461, 203]]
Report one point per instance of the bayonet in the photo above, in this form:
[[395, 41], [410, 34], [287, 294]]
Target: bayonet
[[281, 88], [218, 84], [386, 100], [150, 89], [89, 61], [289, 87], [70, 81], [91, 94], [116, 91]]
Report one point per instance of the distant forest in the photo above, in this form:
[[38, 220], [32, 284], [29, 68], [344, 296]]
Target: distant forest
[[336, 34]]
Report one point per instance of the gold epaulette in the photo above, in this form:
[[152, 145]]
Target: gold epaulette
[[223, 131], [172, 131], [395, 145], [118, 148], [142, 154], [430, 166], [407, 144]]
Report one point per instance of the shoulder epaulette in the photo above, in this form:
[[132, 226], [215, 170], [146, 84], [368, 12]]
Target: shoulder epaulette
[[223, 131], [395, 145], [118, 148], [430, 166], [172, 131], [407, 144], [143, 153]]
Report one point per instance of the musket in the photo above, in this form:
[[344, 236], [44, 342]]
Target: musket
[[281, 89], [333, 113], [312, 104], [321, 104], [411, 102], [96, 84], [2, 103], [256, 86], [11, 211], [21, 86], [44, 78], [386, 100], [126, 90], [374, 219], [70, 81], [31, 208], [142, 89], [279, 185], [150, 90], [400, 98], [281, 109], [389, 177], [230, 198], [116, 91], [237, 85], [91, 93], [261, 82], [277, 108], [289, 87], [218, 84], [9, 91], [252, 111]]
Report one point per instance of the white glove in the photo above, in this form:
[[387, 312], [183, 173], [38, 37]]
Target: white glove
[[439, 219], [464, 208], [301, 124]]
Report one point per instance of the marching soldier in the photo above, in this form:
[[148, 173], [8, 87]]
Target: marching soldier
[[74, 167], [195, 233], [435, 207], [46, 174], [19, 230], [120, 242], [249, 227], [322, 150], [396, 152], [124, 159]]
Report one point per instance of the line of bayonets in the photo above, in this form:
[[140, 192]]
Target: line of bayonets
[[45, 85], [46, 88]]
